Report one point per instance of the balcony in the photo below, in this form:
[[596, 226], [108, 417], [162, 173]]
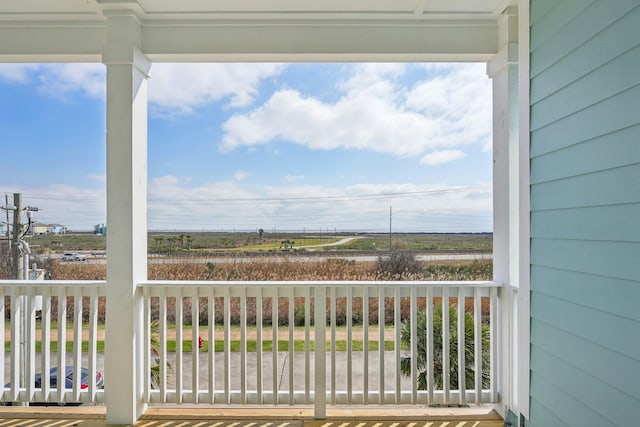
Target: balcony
[[317, 358], [338, 341]]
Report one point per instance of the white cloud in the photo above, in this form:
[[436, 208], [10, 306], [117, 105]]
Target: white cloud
[[234, 205], [61, 79], [293, 178], [441, 157], [175, 204], [96, 177], [78, 208], [58, 80], [17, 73], [376, 112], [240, 175], [180, 88], [173, 88]]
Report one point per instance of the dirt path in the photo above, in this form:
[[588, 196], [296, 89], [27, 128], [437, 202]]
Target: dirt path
[[324, 245]]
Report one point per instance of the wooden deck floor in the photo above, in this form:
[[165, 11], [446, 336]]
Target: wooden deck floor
[[257, 417]]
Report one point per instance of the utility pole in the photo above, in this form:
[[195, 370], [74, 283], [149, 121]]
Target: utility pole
[[16, 254], [6, 209], [390, 245]]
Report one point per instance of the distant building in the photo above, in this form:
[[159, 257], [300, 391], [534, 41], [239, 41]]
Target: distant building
[[41, 229], [100, 229], [57, 229]]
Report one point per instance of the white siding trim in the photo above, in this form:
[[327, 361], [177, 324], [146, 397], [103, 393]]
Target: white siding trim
[[524, 268]]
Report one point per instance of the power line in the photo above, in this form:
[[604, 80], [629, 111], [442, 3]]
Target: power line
[[344, 197]]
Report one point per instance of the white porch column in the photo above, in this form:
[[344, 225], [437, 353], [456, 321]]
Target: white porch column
[[503, 69], [127, 70]]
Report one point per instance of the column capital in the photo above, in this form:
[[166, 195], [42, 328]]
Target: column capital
[[508, 55], [507, 42], [124, 41]]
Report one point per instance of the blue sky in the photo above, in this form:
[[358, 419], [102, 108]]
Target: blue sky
[[248, 146]]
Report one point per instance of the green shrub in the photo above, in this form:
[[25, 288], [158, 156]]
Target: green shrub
[[405, 339], [398, 266]]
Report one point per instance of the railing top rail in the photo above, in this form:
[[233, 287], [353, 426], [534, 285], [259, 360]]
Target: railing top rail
[[53, 283], [321, 283]]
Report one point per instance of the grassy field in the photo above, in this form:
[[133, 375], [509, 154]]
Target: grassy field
[[253, 242], [234, 346], [424, 242]]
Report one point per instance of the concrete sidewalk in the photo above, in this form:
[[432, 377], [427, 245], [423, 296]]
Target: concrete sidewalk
[[283, 369]]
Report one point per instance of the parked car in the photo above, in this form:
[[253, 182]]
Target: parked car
[[73, 256], [68, 384], [68, 378]]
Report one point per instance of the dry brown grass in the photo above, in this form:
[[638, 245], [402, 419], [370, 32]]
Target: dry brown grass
[[287, 270]]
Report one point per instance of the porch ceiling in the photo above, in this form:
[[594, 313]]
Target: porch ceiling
[[293, 30]]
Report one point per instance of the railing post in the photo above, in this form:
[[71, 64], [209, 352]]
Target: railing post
[[320, 353], [127, 70]]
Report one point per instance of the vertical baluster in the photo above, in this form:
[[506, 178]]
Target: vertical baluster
[[349, 345], [477, 336], [227, 346], [320, 322], [77, 343], [45, 340], [381, 323], [446, 366], [243, 345], [211, 306], [16, 322], [146, 342], [334, 374], [259, 386], [163, 346], [414, 345], [179, 347], [291, 343], [365, 345], [274, 341], [307, 345], [62, 339], [195, 345], [93, 344], [30, 338], [493, 312], [430, 349], [2, 338], [397, 324], [461, 347]]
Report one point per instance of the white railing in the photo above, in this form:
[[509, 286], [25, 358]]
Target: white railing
[[338, 354], [34, 338]]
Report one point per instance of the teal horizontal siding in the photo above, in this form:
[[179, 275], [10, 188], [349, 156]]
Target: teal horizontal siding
[[612, 114], [585, 213], [598, 361], [614, 150], [560, 402], [539, 9], [603, 223], [609, 187], [608, 330], [588, 91], [610, 43], [610, 259], [589, 291], [542, 416], [556, 19], [619, 410]]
